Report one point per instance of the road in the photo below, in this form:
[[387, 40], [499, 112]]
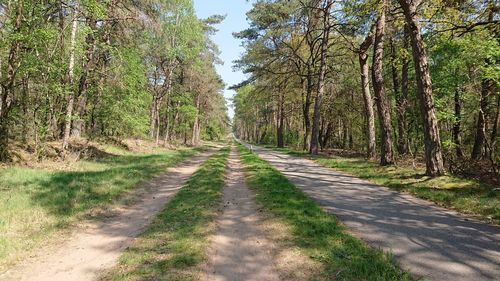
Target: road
[[427, 240]]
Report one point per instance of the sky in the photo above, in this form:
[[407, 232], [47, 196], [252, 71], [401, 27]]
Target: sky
[[235, 11]]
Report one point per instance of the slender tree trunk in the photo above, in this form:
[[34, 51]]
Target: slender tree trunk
[[281, 120], [367, 97], [457, 125], [383, 105], [433, 150], [70, 81], [152, 115], [81, 100], [307, 110], [494, 131], [196, 125], [402, 100], [321, 80], [480, 139]]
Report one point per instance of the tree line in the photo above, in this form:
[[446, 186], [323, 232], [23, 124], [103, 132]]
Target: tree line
[[112, 68], [321, 73]]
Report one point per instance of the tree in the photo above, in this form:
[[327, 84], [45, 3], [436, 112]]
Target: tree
[[433, 150]]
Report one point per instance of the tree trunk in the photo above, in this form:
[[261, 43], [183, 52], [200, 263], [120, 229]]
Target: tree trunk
[[402, 100], [383, 105], [494, 131], [70, 81], [433, 150], [480, 139], [81, 103], [457, 125], [307, 110], [367, 97], [321, 79], [196, 125], [281, 120]]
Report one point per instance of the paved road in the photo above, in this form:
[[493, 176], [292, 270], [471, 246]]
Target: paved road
[[428, 240]]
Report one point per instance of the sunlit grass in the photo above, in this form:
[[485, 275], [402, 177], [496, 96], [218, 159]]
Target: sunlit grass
[[174, 246], [36, 202], [316, 232]]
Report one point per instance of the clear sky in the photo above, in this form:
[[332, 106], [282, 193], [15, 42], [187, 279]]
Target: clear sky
[[235, 11]]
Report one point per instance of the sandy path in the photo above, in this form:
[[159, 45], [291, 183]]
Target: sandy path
[[96, 245], [430, 241], [239, 252]]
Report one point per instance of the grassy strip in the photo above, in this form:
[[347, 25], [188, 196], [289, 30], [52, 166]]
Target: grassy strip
[[34, 203], [463, 195], [175, 244], [314, 231]]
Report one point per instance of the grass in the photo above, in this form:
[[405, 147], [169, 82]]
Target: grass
[[174, 246], [463, 195], [35, 203], [315, 232]]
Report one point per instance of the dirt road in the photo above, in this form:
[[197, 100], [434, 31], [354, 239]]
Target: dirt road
[[96, 245], [239, 251]]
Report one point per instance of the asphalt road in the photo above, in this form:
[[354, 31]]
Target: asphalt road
[[427, 240]]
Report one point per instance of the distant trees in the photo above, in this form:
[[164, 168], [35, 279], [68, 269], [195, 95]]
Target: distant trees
[[442, 58], [107, 68]]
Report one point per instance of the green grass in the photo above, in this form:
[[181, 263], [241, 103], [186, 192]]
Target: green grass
[[174, 246], [315, 232], [463, 195], [34, 203]]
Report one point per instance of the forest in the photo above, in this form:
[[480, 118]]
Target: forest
[[392, 80], [107, 70], [361, 142]]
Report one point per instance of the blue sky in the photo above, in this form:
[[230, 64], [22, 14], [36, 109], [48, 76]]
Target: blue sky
[[235, 11]]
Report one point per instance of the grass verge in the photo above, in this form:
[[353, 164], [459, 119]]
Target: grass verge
[[315, 232], [174, 246], [463, 195], [35, 203]]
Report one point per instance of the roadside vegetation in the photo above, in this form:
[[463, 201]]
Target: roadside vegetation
[[35, 203], [315, 232], [467, 196], [174, 246]]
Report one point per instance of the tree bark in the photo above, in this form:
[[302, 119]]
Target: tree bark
[[494, 131], [433, 150], [480, 139], [196, 125], [383, 105], [367, 97], [81, 98], [457, 125], [321, 79], [281, 120], [307, 110], [402, 100], [70, 81]]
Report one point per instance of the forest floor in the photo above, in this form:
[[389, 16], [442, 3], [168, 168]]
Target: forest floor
[[427, 240]]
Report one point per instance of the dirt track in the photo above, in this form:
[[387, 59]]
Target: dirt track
[[96, 245], [239, 250]]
